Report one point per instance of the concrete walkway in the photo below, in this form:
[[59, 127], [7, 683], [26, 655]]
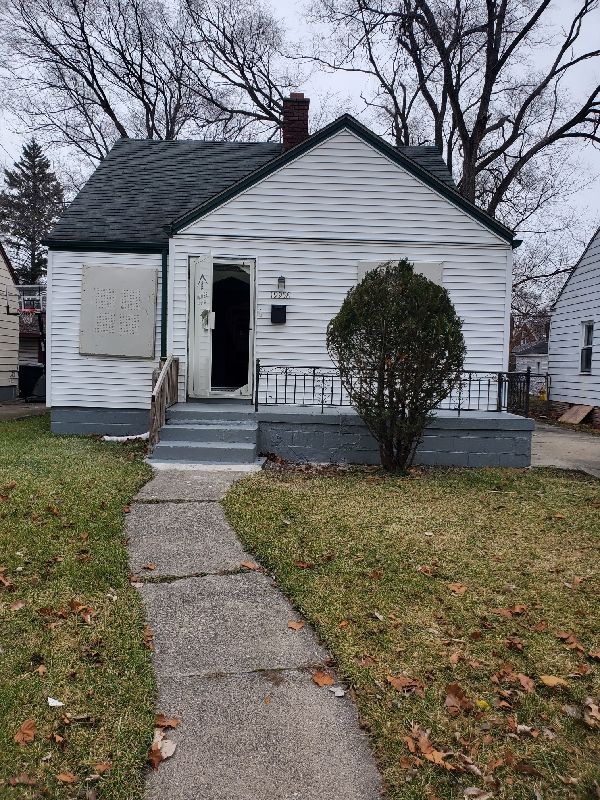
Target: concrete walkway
[[18, 409], [254, 725], [553, 446]]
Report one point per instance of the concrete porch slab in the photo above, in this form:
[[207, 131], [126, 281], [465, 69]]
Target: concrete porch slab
[[222, 624], [181, 539], [273, 736]]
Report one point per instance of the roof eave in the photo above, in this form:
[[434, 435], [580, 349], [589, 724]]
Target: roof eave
[[348, 122]]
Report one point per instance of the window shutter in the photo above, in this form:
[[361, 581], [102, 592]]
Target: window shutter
[[433, 270]]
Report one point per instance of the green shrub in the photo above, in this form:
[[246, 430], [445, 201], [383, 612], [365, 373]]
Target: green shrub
[[398, 344]]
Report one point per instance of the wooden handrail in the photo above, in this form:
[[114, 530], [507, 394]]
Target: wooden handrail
[[164, 394]]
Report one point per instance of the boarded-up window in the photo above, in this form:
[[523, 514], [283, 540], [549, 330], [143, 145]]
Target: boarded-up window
[[430, 269], [118, 311]]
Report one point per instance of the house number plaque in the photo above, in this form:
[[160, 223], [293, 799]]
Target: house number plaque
[[279, 295]]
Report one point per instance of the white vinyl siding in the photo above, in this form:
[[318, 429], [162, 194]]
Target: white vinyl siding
[[93, 381], [315, 221], [9, 330], [578, 303]]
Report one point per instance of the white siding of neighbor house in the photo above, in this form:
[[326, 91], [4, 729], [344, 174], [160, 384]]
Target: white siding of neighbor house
[[537, 362], [92, 381], [579, 302], [314, 220], [9, 330]]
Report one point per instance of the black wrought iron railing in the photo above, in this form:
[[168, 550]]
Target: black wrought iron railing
[[474, 390]]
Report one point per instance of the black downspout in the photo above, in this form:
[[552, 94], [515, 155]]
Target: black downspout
[[163, 303]]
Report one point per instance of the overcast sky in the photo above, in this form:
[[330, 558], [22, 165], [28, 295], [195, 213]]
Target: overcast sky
[[347, 91]]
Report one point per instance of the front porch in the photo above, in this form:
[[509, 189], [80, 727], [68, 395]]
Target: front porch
[[233, 432]]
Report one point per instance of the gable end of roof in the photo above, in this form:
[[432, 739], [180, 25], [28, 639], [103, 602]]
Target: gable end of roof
[[348, 122]]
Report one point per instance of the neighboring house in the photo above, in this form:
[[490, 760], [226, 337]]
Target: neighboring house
[[221, 254], [9, 329], [574, 342], [535, 358]]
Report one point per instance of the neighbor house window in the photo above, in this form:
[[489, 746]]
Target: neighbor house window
[[587, 339]]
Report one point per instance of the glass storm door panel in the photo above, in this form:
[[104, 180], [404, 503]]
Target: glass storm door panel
[[201, 321]]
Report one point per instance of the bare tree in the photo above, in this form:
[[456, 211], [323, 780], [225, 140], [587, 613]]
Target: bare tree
[[85, 72], [237, 56], [462, 75]]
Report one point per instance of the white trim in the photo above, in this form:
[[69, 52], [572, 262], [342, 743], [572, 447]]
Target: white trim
[[293, 240], [49, 330], [507, 312]]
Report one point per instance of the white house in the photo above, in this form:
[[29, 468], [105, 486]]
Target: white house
[[533, 357], [9, 329], [574, 346], [224, 254]]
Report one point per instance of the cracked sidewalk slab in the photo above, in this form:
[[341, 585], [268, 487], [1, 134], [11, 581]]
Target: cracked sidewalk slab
[[263, 737], [182, 539], [254, 726], [229, 623], [198, 485]]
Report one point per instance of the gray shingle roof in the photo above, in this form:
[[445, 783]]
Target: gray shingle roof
[[430, 158], [538, 348], [143, 185]]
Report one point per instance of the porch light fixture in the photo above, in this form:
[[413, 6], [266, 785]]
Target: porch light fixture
[[281, 283]]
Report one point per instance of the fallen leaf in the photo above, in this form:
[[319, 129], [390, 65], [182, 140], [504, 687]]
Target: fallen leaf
[[577, 581], [406, 685], [66, 777], [526, 682], [581, 671], [150, 566], [303, 565], [160, 721], [26, 732], [456, 700], [594, 654], [42, 669], [17, 605], [322, 679], [553, 682], [344, 623], [9, 486], [22, 780], [295, 626], [249, 565], [376, 575], [515, 643], [457, 589], [148, 638], [525, 768], [424, 569], [167, 748], [477, 793], [591, 713], [126, 509], [455, 658]]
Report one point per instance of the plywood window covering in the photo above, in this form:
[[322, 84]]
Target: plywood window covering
[[587, 341], [118, 311]]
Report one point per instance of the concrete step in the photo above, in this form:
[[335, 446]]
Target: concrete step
[[217, 431], [205, 412], [205, 452]]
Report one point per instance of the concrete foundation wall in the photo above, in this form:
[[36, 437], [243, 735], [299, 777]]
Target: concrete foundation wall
[[475, 439], [472, 440], [8, 393], [103, 421]]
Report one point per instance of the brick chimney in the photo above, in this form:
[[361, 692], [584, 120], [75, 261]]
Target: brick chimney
[[295, 119]]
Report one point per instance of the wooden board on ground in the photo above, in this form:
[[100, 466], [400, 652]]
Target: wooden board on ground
[[576, 414]]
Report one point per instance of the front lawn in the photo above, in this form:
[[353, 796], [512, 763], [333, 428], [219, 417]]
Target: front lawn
[[463, 610], [71, 626]]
